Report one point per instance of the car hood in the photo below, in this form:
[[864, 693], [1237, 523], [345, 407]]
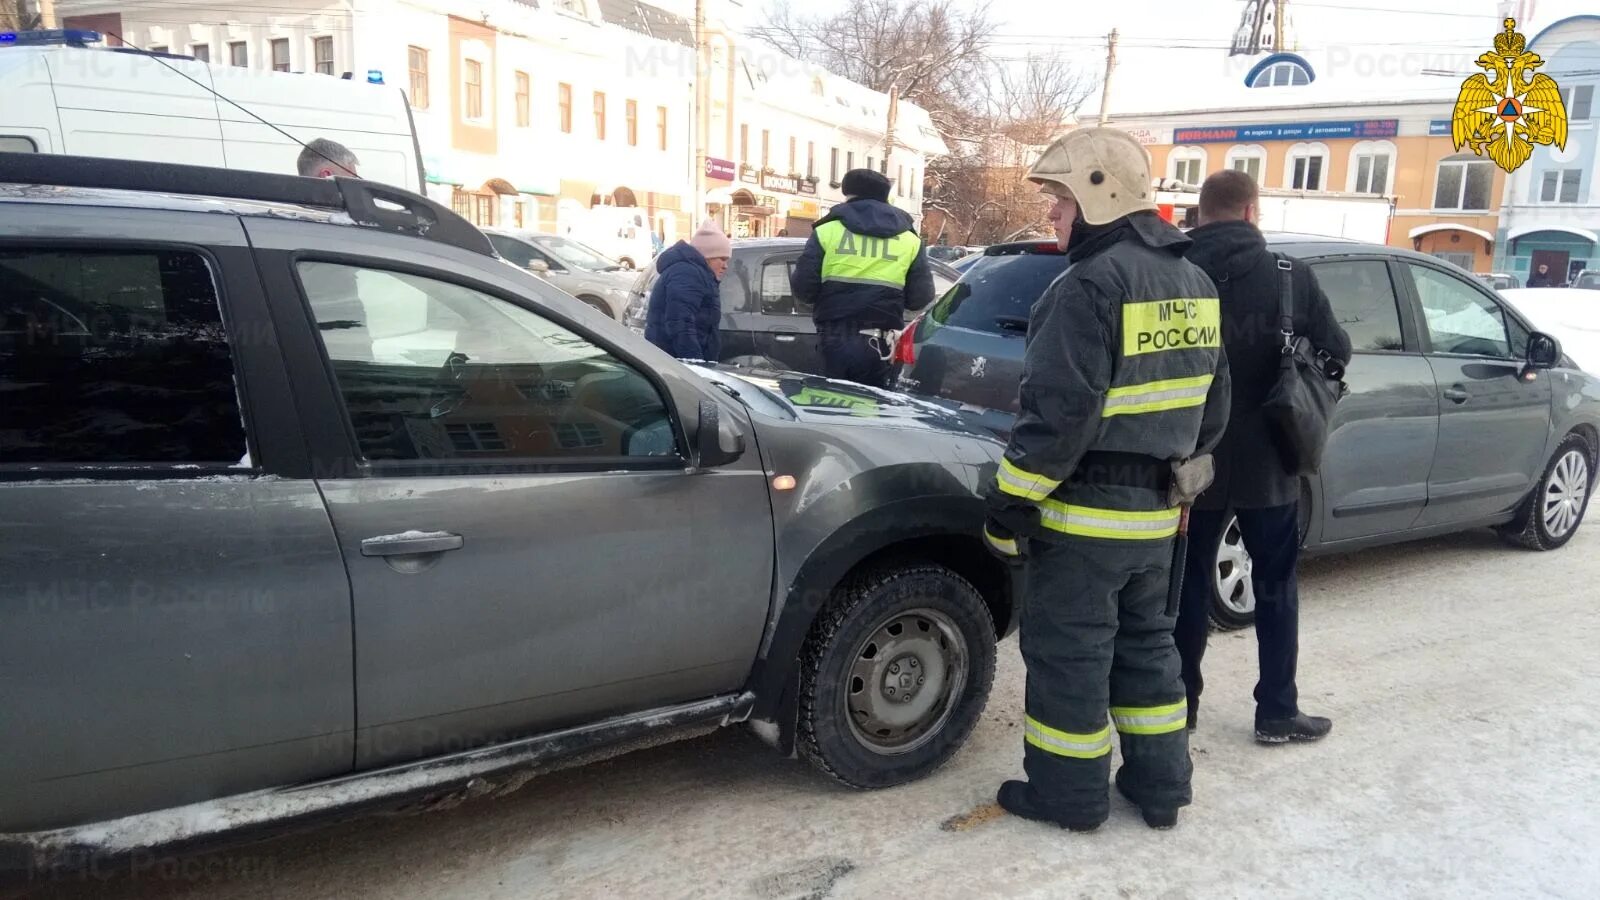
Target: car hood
[[823, 401]]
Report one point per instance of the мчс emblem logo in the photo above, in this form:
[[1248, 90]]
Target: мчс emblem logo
[[1504, 113]]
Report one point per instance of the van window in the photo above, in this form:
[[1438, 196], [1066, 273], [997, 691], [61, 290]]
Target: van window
[[9, 144], [114, 357]]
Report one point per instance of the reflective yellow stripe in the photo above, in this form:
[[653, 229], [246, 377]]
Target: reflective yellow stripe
[[1004, 545], [1157, 396], [1183, 324], [1087, 521], [1022, 483], [1065, 743], [1151, 719]]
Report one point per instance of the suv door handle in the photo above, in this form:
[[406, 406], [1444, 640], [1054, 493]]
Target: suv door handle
[[1457, 394], [411, 543], [783, 338]]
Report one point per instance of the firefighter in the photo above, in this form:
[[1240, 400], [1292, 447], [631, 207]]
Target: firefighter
[[862, 268], [1123, 383]]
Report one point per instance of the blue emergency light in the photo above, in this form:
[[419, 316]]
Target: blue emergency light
[[55, 37], [374, 76]]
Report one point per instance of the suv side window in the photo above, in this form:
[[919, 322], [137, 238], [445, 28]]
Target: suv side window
[[1363, 298], [114, 357], [777, 298], [432, 370], [1459, 320]]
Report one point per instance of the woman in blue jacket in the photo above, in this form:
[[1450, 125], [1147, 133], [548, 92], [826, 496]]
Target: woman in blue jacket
[[685, 303]]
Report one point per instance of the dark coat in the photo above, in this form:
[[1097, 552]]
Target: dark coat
[[685, 306], [1250, 472], [1548, 279], [873, 306]]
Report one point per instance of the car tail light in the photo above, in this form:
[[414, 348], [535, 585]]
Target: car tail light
[[1048, 247], [905, 349]]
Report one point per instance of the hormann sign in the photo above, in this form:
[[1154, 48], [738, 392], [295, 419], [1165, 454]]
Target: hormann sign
[[1287, 131]]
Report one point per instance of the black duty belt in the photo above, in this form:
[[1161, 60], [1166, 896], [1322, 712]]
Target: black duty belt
[[1117, 469]]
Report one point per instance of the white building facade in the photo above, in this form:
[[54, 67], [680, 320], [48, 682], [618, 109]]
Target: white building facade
[[531, 112]]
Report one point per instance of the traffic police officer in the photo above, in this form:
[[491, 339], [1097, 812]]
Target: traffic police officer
[[1123, 383], [862, 268]]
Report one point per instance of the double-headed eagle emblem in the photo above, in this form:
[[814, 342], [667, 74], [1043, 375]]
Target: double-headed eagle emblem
[[1504, 113]]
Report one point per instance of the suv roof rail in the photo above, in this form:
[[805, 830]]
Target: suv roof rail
[[370, 203]]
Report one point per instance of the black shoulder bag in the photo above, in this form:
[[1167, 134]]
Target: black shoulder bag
[[1310, 383]]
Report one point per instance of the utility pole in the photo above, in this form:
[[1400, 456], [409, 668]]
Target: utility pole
[[47, 14], [1111, 65], [702, 110], [888, 136], [1277, 25]]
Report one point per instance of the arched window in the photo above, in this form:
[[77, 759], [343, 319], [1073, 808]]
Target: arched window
[[1371, 167], [1187, 164], [1250, 159], [1281, 70], [1305, 167]]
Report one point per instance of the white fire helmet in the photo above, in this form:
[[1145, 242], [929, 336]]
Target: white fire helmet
[[1104, 169]]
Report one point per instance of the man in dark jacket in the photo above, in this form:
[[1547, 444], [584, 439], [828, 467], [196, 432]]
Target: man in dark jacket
[[1542, 277], [685, 308], [1123, 376], [862, 268], [1251, 479]]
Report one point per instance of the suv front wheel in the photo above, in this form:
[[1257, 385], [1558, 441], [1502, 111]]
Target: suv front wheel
[[894, 675]]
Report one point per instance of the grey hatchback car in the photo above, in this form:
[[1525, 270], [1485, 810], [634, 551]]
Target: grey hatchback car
[[1460, 414], [308, 501]]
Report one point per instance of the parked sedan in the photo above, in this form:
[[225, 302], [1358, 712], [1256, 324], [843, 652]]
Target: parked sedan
[[597, 280], [763, 324], [1460, 414]]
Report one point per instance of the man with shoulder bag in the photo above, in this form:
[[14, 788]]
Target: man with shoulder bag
[[1274, 435]]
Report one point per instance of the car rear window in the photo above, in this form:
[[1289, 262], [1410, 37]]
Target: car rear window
[[998, 288]]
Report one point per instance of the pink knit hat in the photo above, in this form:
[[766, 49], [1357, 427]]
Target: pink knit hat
[[711, 242]]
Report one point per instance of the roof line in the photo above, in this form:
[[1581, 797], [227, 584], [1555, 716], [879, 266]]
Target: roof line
[[1449, 100]]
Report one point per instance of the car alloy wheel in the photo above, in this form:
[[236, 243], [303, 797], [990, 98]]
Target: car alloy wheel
[[1565, 492], [900, 685], [1236, 592]]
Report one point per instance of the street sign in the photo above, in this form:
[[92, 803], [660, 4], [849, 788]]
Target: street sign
[[719, 169]]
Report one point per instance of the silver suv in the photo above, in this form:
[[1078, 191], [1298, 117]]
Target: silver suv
[[308, 501]]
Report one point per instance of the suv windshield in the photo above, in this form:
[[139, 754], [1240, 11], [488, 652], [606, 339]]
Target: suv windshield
[[996, 293], [576, 255]]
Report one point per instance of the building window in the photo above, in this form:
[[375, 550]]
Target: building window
[[900, 182], [811, 159], [744, 144], [1464, 183], [633, 123], [872, 164], [280, 55], [579, 8], [1250, 159], [599, 115], [417, 61], [661, 127], [766, 148], [524, 101], [201, 52], [239, 54], [1187, 164], [1282, 74], [1579, 101], [1305, 167], [1563, 186], [833, 167], [322, 53], [849, 160], [473, 71], [565, 93], [159, 49], [1371, 162], [483, 208], [794, 154]]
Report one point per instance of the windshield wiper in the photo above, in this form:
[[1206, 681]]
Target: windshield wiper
[[1012, 323]]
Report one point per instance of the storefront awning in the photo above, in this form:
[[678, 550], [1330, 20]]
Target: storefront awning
[[471, 174], [1421, 230], [1525, 230]]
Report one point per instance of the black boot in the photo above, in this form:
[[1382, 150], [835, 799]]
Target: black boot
[[1299, 727], [1019, 799], [1159, 817]]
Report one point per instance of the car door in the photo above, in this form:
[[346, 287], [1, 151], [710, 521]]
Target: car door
[[174, 611], [1381, 442], [528, 546], [1493, 425], [786, 332], [741, 320]]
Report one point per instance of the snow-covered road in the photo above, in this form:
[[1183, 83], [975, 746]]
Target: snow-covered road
[[1461, 676]]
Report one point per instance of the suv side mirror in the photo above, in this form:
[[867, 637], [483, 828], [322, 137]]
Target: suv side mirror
[[1544, 351], [538, 266], [719, 442]]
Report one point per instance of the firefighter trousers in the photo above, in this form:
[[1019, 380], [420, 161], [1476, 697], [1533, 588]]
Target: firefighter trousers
[[1097, 638]]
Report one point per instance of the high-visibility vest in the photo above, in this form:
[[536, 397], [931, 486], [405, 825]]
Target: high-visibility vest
[[862, 259]]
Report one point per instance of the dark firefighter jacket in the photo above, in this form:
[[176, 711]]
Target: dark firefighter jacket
[[1124, 360], [863, 263]]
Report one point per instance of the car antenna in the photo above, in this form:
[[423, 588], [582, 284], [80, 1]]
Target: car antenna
[[214, 92]]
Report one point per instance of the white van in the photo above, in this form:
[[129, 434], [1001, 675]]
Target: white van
[[59, 97]]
